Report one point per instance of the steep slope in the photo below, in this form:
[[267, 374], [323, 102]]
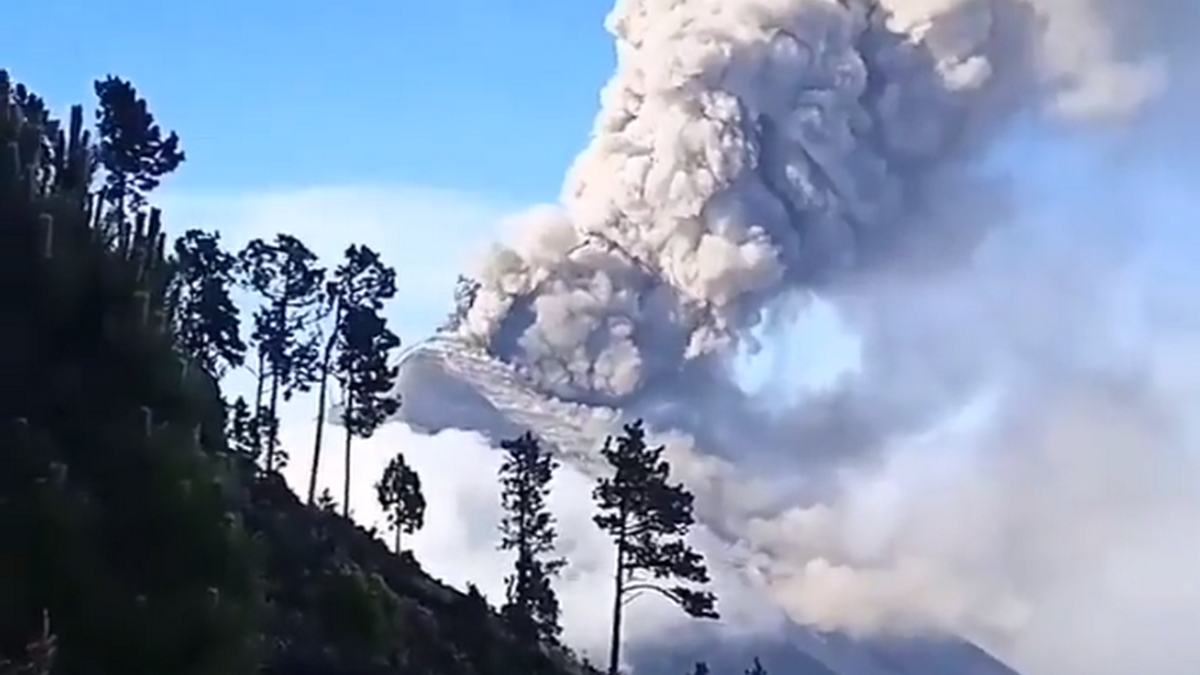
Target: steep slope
[[448, 384], [342, 603]]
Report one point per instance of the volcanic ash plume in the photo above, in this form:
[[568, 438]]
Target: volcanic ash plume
[[746, 147], [751, 150]]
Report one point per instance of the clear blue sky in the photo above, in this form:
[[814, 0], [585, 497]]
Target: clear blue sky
[[491, 96]]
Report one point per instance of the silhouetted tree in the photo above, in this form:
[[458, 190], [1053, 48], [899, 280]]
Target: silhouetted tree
[[531, 606], [399, 494], [284, 273], [326, 502], [66, 157], [242, 430], [360, 284], [131, 149], [648, 518], [206, 320], [366, 380]]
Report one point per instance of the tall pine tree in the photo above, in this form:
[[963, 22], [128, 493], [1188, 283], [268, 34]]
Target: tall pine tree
[[367, 381], [399, 494], [133, 151], [648, 517], [286, 275], [531, 608], [207, 322], [361, 284]]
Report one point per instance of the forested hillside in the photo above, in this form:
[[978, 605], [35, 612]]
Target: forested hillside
[[146, 528]]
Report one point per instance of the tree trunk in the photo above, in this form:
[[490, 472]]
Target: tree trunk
[[259, 392], [346, 479], [273, 432], [322, 397], [521, 598], [262, 382], [398, 537], [316, 457], [614, 648]]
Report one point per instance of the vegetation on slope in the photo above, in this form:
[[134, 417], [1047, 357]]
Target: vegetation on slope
[[116, 497]]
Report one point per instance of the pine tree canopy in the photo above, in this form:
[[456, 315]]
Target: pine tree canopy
[[119, 497]]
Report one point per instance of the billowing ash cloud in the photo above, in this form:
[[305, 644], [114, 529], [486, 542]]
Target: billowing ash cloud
[[751, 150], [745, 147]]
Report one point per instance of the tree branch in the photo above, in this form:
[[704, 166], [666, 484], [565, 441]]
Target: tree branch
[[632, 591]]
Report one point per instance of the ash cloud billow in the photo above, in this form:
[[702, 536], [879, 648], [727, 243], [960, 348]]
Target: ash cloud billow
[[749, 152], [748, 147]]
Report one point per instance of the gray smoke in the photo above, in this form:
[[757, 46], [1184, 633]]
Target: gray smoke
[[749, 152], [748, 147]]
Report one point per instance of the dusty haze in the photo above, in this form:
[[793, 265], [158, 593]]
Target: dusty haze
[[752, 152]]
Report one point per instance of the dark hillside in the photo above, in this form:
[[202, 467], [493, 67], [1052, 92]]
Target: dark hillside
[[341, 598], [135, 540]]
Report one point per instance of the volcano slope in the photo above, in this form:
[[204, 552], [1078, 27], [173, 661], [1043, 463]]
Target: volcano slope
[[448, 384]]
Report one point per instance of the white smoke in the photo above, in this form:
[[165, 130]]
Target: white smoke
[[748, 150]]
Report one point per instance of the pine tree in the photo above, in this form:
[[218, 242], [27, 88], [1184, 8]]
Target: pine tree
[[285, 274], [648, 518], [531, 606], [117, 495], [207, 322], [366, 380], [326, 502], [132, 150], [399, 494], [360, 284], [242, 429]]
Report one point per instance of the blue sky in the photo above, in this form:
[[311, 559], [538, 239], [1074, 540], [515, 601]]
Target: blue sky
[[490, 97]]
